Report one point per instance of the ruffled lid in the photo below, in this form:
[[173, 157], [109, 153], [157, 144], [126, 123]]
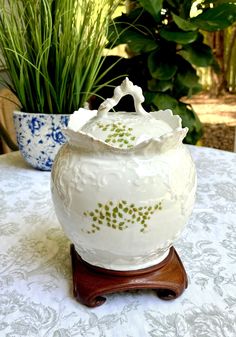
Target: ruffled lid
[[125, 131]]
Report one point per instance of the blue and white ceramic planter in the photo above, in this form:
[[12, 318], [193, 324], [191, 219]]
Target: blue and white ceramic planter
[[39, 137]]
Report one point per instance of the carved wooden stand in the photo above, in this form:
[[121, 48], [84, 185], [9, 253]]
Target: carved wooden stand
[[90, 283]]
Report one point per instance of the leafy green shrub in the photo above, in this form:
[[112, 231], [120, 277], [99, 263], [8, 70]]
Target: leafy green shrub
[[166, 46]]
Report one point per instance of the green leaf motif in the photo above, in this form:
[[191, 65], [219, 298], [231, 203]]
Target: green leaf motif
[[184, 24], [179, 36], [118, 134], [219, 17], [152, 6], [118, 213]]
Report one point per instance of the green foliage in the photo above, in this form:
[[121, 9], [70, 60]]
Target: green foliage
[[53, 50], [165, 46], [152, 6], [216, 18]]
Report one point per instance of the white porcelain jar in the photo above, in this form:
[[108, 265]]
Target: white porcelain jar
[[124, 184]]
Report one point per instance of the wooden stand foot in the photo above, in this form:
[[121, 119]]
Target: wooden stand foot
[[91, 283]]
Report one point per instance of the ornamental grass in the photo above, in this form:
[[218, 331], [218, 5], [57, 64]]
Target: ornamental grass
[[53, 51]]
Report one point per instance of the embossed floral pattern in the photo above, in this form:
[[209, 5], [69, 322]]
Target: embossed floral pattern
[[35, 273]]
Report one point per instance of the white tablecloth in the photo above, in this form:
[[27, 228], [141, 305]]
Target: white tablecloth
[[35, 271]]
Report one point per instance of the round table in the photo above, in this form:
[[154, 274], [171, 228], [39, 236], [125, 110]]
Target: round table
[[35, 269]]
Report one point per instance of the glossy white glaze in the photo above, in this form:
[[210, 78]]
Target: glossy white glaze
[[124, 207]]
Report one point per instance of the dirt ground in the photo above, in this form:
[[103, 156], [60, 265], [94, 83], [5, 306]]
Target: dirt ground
[[218, 116]]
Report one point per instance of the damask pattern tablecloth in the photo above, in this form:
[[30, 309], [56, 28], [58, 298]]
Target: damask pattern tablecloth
[[35, 272]]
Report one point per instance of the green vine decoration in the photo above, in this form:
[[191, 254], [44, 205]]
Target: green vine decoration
[[119, 215], [119, 134]]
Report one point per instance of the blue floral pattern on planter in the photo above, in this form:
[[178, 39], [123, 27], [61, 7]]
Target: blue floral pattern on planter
[[39, 137]]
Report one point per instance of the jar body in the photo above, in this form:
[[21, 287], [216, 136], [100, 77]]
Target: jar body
[[123, 211]]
